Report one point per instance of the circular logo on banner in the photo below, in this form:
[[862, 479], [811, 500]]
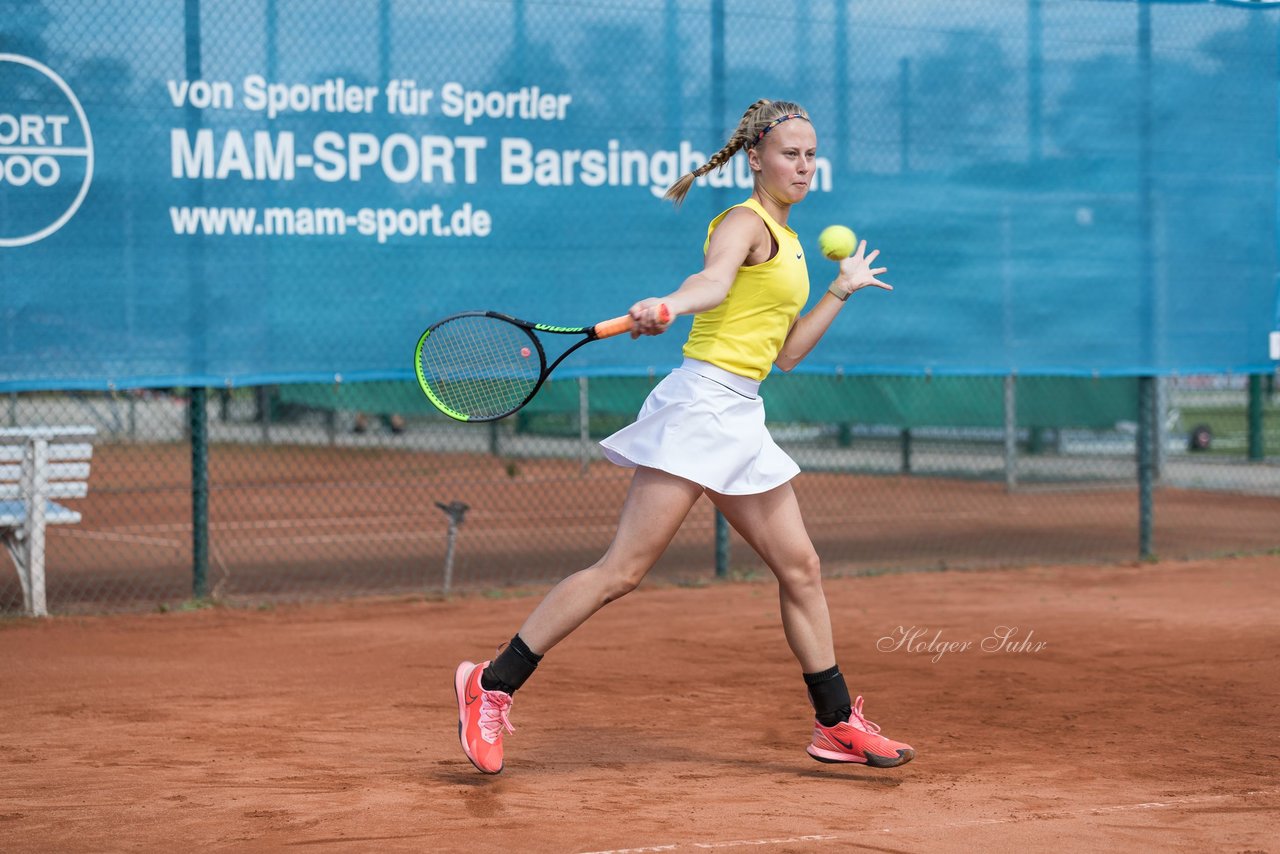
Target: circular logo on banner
[[46, 151]]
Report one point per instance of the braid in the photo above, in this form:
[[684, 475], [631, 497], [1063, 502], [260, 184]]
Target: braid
[[740, 137]]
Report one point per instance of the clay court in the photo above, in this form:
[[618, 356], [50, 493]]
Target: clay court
[[1133, 709]]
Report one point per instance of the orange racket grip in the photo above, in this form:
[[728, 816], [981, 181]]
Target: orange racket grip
[[619, 325]]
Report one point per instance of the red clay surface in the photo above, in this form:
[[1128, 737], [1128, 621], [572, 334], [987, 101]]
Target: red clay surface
[[674, 720]]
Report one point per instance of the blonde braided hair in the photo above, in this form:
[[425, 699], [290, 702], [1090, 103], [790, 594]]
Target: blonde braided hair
[[756, 121]]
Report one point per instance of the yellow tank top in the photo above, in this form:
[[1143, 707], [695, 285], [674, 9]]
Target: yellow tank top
[[744, 333]]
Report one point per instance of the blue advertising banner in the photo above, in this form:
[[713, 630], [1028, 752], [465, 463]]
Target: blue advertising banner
[[260, 191]]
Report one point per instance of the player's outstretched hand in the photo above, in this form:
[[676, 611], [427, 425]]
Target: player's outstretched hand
[[857, 273]]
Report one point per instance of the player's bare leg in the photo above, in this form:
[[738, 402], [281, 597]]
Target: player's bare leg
[[656, 505], [771, 523]]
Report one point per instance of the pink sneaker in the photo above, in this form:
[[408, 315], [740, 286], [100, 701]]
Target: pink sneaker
[[482, 715], [858, 740]]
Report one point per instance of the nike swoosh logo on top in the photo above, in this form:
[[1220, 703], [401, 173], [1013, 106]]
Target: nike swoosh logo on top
[[799, 256], [471, 698], [847, 745]]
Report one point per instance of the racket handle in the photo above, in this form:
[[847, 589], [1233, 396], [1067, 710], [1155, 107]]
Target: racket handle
[[619, 325]]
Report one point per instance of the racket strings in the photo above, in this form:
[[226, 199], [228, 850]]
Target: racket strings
[[480, 366]]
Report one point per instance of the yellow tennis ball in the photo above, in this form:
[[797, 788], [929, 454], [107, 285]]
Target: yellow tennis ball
[[837, 241]]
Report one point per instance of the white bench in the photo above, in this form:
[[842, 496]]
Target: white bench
[[37, 465]]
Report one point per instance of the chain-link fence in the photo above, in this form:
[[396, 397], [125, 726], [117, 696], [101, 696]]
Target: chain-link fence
[[328, 491]]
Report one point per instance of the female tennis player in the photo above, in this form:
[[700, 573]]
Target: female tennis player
[[702, 431]]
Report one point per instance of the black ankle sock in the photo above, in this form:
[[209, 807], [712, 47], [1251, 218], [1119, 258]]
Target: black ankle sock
[[829, 695], [511, 668]]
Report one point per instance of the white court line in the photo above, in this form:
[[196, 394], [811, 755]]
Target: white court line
[[540, 523], [137, 533], [333, 539], [305, 540], [268, 524], [974, 822], [363, 537], [115, 537], [335, 521]]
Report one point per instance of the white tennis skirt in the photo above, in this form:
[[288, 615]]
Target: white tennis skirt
[[704, 424]]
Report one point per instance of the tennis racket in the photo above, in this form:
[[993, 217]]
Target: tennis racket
[[482, 365]]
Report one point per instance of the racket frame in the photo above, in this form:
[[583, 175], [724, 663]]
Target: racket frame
[[589, 333]]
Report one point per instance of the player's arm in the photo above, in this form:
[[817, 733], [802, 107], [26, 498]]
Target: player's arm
[[731, 243], [855, 274]]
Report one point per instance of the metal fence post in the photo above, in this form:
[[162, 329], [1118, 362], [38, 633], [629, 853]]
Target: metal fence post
[[264, 411], [1146, 462], [331, 415], [722, 545], [1257, 450], [197, 413], [1159, 414], [584, 426], [1010, 432]]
